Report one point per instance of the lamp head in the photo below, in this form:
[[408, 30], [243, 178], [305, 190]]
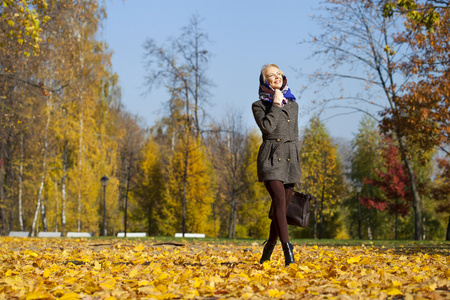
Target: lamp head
[[358, 187], [104, 180]]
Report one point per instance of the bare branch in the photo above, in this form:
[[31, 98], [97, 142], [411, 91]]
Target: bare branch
[[356, 99], [443, 150], [357, 110]]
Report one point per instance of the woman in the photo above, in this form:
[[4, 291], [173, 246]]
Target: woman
[[278, 163]]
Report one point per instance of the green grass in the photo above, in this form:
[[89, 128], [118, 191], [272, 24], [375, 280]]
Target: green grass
[[424, 246]]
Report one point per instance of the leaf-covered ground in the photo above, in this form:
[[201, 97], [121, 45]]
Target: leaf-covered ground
[[38, 268]]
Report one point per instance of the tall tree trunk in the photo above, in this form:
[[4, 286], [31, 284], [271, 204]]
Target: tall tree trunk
[[231, 218], [325, 170], [2, 195], [424, 229], [57, 206], [44, 167], [44, 216], [416, 204], [186, 158], [315, 217], [214, 219], [173, 141], [395, 221], [197, 83], [369, 227], [36, 215], [7, 187], [186, 163], [321, 211], [80, 167], [11, 191], [126, 194], [230, 223], [39, 205], [447, 238], [79, 211], [21, 185], [64, 192]]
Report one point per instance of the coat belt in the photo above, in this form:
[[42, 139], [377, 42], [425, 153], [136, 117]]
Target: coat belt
[[279, 143]]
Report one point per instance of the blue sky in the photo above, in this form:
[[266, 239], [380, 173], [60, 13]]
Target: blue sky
[[245, 35]]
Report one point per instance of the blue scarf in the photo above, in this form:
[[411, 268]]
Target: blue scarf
[[266, 92]]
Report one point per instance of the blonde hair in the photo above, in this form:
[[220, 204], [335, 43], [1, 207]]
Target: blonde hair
[[267, 66]]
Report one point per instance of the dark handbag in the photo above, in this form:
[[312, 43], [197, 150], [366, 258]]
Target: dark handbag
[[298, 210]]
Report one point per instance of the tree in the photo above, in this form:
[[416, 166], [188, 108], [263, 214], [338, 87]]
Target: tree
[[19, 32], [182, 66], [59, 128], [424, 14], [187, 195], [357, 37], [441, 191], [21, 21], [365, 159], [424, 109], [40, 206], [227, 145], [321, 177], [150, 186], [130, 146], [254, 209], [394, 182]]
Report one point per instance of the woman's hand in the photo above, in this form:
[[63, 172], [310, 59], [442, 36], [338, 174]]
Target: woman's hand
[[278, 97]]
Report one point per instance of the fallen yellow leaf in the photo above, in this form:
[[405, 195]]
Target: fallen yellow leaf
[[70, 296], [108, 284], [275, 293], [354, 259], [353, 284], [395, 283], [393, 292]]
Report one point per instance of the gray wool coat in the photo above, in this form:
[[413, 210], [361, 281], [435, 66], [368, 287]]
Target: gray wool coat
[[278, 156]]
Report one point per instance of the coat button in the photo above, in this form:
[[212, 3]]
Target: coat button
[[288, 159], [288, 121], [278, 140], [279, 159]]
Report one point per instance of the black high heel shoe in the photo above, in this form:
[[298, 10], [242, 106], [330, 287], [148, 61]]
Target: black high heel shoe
[[267, 251], [288, 253]]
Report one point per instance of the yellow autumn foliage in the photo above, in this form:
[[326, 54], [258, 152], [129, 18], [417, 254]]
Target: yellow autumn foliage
[[188, 179]]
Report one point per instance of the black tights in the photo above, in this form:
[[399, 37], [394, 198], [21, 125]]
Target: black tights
[[281, 196]]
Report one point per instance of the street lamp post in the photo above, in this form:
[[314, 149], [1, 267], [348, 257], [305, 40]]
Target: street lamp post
[[104, 181], [358, 187]]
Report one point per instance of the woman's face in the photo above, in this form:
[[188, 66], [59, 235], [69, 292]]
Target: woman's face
[[274, 77]]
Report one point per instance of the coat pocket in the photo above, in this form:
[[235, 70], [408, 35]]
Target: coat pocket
[[275, 159], [263, 153]]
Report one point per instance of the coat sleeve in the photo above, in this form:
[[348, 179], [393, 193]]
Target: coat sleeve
[[267, 123]]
